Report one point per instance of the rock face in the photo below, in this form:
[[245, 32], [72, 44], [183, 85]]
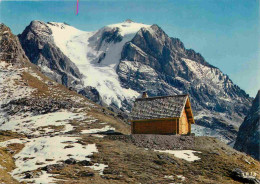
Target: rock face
[[39, 46], [248, 139], [120, 61], [160, 65], [10, 48]]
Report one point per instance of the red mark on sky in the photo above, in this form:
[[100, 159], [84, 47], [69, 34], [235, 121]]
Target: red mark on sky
[[77, 7]]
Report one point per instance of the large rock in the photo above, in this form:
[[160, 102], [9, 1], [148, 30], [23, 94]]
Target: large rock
[[248, 139], [244, 177]]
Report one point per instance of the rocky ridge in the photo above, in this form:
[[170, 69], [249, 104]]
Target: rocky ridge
[[248, 139]]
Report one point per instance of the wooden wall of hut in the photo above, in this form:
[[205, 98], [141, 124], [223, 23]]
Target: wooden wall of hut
[[155, 127], [184, 124]]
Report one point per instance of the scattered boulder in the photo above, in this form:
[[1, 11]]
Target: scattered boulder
[[70, 161], [159, 162], [85, 163], [49, 159], [245, 177], [85, 174], [28, 175], [68, 146], [50, 168], [39, 163]]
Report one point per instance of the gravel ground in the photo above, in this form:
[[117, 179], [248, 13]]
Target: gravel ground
[[159, 142]]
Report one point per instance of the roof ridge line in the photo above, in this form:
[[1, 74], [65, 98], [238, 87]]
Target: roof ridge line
[[155, 97]]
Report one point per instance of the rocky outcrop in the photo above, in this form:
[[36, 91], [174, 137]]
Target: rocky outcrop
[[39, 46], [244, 177], [248, 139], [10, 48], [91, 93], [160, 65], [36, 106]]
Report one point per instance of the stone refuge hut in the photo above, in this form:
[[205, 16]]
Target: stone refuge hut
[[162, 115]]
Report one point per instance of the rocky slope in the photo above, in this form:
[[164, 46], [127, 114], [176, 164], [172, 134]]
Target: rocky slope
[[49, 134], [248, 139], [38, 117], [122, 60]]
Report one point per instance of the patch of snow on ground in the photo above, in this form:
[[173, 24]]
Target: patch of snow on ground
[[10, 87], [181, 177], [29, 124], [171, 177], [98, 167], [44, 177], [1, 167], [42, 148], [97, 135], [9, 82], [183, 154], [35, 75]]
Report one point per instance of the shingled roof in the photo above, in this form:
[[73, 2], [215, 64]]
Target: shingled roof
[[159, 107]]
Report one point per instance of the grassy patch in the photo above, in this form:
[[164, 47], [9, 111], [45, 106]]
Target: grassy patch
[[6, 135], [6, 162]]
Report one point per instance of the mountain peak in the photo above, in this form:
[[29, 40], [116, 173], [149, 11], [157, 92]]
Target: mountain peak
[[128, 27], [128, 21]]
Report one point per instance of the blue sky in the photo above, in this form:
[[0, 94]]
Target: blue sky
[[225, 32]]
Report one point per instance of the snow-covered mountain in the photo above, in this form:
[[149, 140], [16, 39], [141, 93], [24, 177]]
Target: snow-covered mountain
[[50, 134], [96, 55], [120, 61]]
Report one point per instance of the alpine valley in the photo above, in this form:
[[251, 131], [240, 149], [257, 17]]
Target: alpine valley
[[51, 134], [115, 64]]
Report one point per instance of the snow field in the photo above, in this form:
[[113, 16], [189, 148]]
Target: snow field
[[182, 154], [85, 44], [32, 124], [38, 150], [43, 151]]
